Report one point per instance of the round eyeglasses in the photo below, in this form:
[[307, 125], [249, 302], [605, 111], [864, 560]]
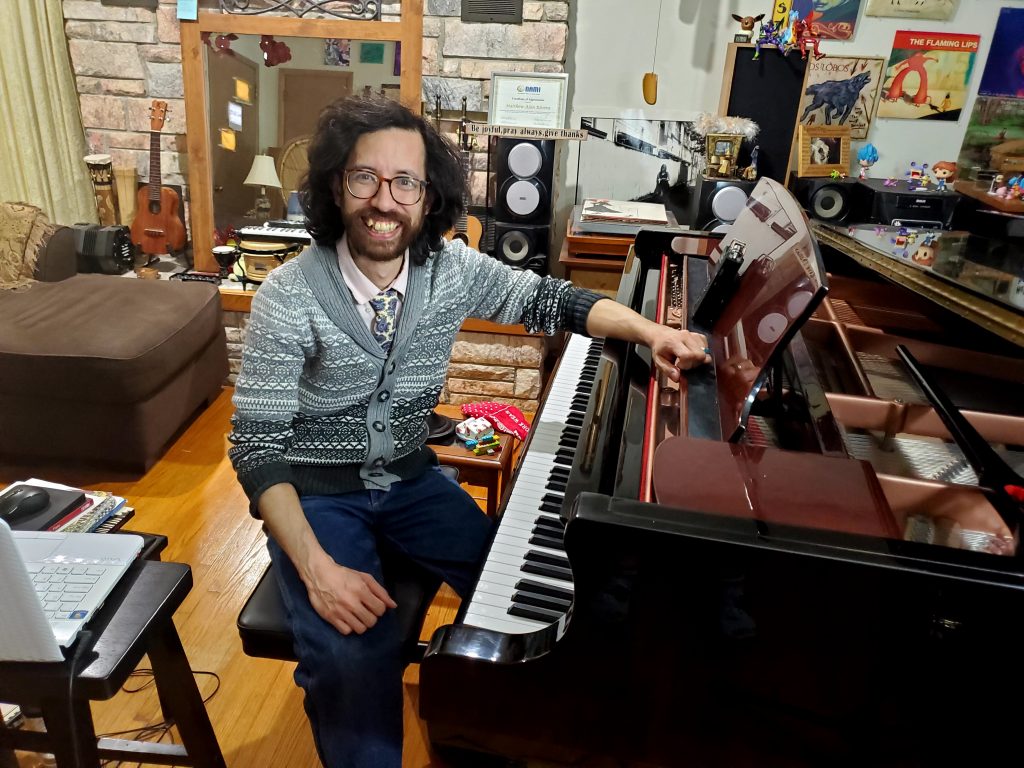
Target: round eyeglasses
[[406, 190]]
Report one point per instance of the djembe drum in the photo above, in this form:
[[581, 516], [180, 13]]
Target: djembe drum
[[102, 175]]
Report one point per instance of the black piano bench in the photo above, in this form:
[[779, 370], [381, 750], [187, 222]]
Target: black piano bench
[[263, 626]]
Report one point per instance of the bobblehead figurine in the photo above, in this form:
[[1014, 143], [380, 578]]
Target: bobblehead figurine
[[945, 173], [866, 157]]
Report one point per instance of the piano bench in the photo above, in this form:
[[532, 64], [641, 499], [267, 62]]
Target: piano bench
[[263, 625]]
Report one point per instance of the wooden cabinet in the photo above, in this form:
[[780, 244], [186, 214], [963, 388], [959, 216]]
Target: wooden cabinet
[[594, 261]]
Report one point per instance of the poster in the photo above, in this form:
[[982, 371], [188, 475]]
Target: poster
[[927, 75], [994, 140], [842, 90], [1004, 70], [942, 10], [833, 19], [371, 53], [337, 52]]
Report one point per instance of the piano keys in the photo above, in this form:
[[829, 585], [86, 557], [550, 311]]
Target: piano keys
[[702, 635], [276, 234]]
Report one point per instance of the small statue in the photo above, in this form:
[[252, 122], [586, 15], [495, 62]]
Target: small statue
[[767, 36], [866, 157], [802, 37], [750, 172], [746, 27], [998, 187], [945, 173], [917, 174]]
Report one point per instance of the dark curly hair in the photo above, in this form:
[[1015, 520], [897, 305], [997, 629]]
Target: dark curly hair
[[339, 127]]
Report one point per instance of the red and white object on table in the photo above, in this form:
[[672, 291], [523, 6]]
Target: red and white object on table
[[504, 417]]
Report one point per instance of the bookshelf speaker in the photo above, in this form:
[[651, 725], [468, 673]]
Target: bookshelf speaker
[[524, 246], [523, 181], [717, 202], [832, 200]]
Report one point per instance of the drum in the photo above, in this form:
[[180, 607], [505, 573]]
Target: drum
[[102, 175], [257, 258]]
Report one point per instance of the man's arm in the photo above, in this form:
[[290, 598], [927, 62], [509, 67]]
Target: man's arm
[[673, 350], [349, 600]]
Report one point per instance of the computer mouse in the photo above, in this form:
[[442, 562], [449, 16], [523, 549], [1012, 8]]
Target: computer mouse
[[21, 502]]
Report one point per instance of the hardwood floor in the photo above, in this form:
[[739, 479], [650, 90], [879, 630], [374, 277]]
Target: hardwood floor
[[192, 497]]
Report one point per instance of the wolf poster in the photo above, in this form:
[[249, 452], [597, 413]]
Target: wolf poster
[[840, 90], [927, 75]]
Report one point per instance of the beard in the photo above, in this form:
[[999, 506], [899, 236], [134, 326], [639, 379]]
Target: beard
[[362, 243]]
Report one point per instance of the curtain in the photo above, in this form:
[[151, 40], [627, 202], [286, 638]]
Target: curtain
[[41, 138]]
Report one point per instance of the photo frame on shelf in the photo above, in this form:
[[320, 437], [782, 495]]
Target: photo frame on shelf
[[822, 150], [722, 151]]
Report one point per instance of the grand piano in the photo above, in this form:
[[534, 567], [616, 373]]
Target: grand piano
[[785, 559]]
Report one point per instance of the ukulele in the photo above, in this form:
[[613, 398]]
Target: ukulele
[[156, 228], [467, 228]]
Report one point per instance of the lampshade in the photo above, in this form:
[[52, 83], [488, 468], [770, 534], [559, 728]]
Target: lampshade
[[263, 173]]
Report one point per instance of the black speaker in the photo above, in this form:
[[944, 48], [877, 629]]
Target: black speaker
[[523, 181], [524, 246], [833, 200], [717, 202]]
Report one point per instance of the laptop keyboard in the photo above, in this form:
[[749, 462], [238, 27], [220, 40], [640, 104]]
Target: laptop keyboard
[[62, 588]]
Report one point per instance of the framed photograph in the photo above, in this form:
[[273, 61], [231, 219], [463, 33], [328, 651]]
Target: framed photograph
[[823, 149], [528, 99], [842, 90], [722, 151]]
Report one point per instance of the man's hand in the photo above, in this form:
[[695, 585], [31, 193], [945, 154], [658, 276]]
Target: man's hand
[[350, 601], [676, 350]]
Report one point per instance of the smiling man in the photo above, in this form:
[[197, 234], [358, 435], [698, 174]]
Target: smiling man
[[344, 358]]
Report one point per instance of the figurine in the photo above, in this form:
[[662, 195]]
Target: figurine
[[746, 27], [997, 187], [917, 173], [945, 173], [836, 175], [750, 172], [866, 157], [890, 182], [801, 36], [768, 35]]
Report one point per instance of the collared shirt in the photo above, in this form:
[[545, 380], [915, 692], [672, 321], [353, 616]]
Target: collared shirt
[[363, 288]]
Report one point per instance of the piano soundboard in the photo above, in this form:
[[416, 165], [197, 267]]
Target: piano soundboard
[[280, 234]]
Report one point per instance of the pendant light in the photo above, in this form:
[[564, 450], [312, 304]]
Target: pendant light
[[651, 78]]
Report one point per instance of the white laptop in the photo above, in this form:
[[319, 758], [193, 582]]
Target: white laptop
[[51, 584]]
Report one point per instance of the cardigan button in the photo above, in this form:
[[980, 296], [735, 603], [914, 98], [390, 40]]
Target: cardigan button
[[391, 368], [384, 396], [379, 426]]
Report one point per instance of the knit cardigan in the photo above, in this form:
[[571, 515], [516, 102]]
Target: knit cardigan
[[320, 405]]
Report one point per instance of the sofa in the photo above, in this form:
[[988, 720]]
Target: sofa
[[97, 369]]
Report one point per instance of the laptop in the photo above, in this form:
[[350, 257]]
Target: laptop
[[51, 584]]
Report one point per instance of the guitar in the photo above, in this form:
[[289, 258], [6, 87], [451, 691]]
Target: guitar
[[156, 228], [468, 228]]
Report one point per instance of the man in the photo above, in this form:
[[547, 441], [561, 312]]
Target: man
[[345, 357]]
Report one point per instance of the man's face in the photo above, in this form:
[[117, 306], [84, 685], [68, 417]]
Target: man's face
[[379, 228]]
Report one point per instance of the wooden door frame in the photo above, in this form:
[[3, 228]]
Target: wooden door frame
[[408, 31]]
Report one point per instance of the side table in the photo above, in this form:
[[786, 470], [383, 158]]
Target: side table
[[137, 619], [491, 472]]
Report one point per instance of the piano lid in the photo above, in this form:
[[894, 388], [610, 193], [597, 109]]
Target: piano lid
[[782, 283]]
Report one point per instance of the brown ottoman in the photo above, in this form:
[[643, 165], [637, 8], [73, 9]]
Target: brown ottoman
[[102, 369]]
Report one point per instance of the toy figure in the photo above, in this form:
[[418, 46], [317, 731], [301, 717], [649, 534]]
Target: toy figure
[[801, 36], [836, 175], [945, 173], [997, 186], [917, 174], [750, 172], [926, 252], [890, 182], [913, 64], [746, 27], [768, 35], [866, 157]]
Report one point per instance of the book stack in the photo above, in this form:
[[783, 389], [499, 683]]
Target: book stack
[[73, 510], [623, 212]]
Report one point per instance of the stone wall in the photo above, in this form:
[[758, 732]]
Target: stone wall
[[484, 366]]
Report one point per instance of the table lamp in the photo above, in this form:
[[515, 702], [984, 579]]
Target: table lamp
[[263, 175]]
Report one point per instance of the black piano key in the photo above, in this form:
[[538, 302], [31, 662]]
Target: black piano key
[[551, 571], [554, 509], [540, 588], [544, 557], [537, 614], [544, 529], [553, 498], [575, 420], [540, 601], [539, 540], [560, 471], [555, 485], [555, 523]]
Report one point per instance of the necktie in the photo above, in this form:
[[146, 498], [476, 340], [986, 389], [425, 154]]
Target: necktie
[[385, 306]]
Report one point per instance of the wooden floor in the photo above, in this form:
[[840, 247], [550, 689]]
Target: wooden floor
[[192, 497]]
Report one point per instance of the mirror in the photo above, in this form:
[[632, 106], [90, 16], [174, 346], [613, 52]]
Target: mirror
[[256, 84]]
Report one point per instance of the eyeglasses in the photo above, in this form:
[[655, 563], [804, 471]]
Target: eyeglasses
[[406, 190]]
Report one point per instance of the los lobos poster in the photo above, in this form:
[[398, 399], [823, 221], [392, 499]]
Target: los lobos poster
[[841, 90], [927, 75]]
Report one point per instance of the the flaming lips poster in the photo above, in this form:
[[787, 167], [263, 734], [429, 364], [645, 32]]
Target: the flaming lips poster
[[927, 75]]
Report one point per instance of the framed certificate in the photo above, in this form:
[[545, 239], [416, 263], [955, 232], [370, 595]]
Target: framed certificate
[[528, 99]]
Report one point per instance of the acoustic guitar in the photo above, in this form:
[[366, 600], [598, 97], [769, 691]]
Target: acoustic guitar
[[156, 228], [467, 228]]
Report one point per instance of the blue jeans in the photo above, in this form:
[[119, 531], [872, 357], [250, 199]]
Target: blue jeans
[[353, 683]]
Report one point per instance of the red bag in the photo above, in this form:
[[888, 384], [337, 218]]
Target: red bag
[[504, 417]]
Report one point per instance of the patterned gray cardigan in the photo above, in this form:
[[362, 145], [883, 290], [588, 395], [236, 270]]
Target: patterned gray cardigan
[[318, 403]]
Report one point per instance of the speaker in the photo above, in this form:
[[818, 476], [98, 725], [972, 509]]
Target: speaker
[[524, 246], [717, 202], [523, 181], [832, 200]]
